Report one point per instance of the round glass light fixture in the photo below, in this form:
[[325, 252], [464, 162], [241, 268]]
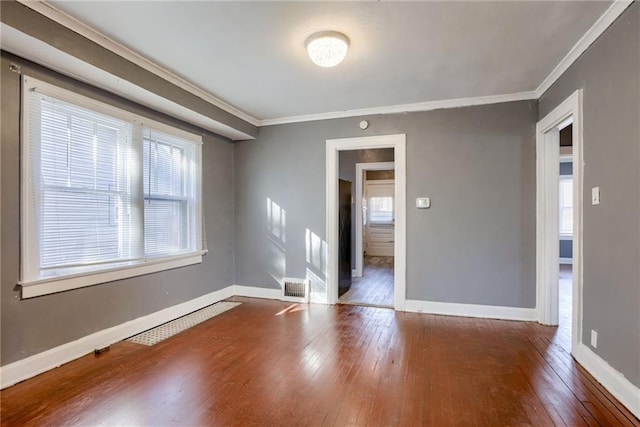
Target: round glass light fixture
[[327, 48]]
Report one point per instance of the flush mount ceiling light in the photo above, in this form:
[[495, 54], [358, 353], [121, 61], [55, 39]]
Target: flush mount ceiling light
[[327, 48]]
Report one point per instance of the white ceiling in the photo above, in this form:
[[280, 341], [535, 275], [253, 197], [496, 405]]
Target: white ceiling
[[251, 54]]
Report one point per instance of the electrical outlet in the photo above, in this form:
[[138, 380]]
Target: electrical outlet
[[595, 196], [594, 339]]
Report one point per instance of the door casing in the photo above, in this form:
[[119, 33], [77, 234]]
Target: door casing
[[547, 228], [333, 147]]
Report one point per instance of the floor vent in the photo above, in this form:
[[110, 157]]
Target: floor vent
[[169, 329], [295, 290]]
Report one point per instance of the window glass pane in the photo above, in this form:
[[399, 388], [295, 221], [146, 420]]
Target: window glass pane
[[165, 227], [566, 206], [164, 169], [83, 210], [566, 193], [80, 228], [566, 221], [381, 209], [54, 145], [167, 201]]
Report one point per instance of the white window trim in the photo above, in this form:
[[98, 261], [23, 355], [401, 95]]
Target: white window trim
[[81, 280], [33, 287]]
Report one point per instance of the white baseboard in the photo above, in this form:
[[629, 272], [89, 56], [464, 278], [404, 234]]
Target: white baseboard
[[256, 292], [471, 310], [49, 359], [620, 387], [566, 260], [612, 380]]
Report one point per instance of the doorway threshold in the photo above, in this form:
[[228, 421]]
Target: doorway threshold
[[364, 304]]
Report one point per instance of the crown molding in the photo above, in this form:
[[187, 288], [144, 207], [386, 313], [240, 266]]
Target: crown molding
[[35, 50], [62, 18], [599, 27], [405, 108], [596, 30]]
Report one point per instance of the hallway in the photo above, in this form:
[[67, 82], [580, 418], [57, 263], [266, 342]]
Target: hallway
[[375, 287], [565, 306]]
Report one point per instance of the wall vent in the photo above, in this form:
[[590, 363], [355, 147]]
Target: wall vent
[[295, 290]]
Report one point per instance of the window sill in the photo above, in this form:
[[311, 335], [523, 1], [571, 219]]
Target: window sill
[[64, 283], [566, 237]]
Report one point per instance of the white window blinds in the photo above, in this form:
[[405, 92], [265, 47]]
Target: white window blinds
[[169, 194], [104, 190]]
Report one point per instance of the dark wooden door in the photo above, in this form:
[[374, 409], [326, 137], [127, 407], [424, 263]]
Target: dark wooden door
[[344, 236]]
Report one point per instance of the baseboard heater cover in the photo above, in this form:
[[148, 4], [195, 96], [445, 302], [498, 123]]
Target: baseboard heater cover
[[169, 329]]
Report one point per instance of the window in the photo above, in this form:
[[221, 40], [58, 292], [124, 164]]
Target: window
[[381, 210], [566, 205], [105, 194]]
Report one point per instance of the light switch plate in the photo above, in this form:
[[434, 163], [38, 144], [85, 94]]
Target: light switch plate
[[423, 202], [595, 196]]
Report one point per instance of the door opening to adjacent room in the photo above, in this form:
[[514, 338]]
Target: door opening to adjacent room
[[559, 218], [565, 226], [377, 212], [373, 229]]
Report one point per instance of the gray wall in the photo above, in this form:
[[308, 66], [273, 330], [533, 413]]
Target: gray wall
[[347, 170], [609, 74], [34, 325], [475, 245]]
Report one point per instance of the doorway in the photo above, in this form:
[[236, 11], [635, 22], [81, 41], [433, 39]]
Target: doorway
[[565, 225], [374, 227], [334, 148], [550, 219]]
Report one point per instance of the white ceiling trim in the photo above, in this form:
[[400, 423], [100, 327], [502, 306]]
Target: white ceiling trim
[[596, 30], [405, 108], [95, 36], [599, 27]]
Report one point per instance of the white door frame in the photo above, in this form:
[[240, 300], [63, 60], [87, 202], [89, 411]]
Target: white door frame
[[360, 170], [547, 228], [334, 146]]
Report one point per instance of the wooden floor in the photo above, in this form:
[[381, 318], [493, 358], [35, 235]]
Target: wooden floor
[[565, 307], [375, 287], [269, 363]]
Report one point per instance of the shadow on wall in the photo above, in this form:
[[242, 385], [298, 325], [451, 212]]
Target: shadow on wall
[[276, 240], [316, 271], [315, 252]]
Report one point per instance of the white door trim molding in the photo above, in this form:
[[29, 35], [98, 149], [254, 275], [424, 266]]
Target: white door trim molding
[[360, 169], [547, 233], [334, 146]]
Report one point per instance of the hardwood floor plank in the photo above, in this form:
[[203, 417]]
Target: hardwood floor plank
[[273, 363], [375, 287]]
